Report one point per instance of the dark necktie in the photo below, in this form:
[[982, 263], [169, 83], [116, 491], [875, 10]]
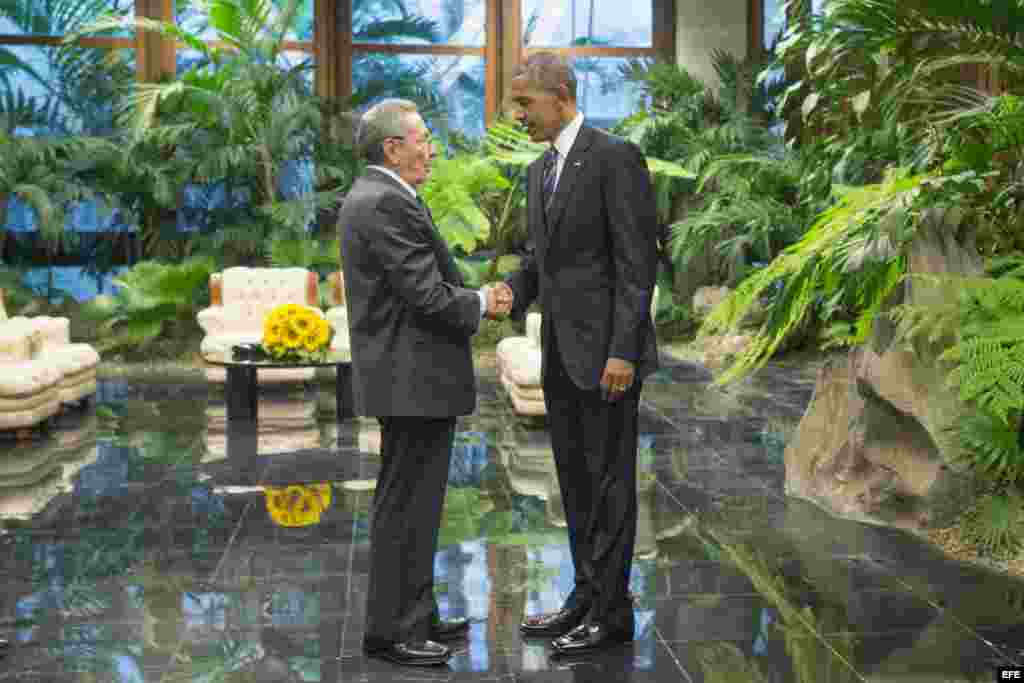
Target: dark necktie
[[424, 206], [550, 171]]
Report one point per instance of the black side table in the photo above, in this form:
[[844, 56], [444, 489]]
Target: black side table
[[242, 391]]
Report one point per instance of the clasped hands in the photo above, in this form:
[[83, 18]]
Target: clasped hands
[[499, 301], [618, 375]]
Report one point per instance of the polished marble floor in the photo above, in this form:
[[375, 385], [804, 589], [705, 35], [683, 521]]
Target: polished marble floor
[[145, 541]]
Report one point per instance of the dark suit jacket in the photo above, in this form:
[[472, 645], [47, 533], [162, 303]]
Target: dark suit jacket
[[594, 258], [409, 317]]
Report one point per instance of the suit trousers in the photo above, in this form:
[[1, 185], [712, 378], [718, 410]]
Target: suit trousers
[[404, 526], [595, 448]]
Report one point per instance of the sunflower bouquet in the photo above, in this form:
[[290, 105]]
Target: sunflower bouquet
[[297, 505], [294, 332]]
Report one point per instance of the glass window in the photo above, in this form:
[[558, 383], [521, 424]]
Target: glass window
[[774, 21], [196, 20], [564, 23], [420, 22], [449, 89], [30, 17], [603, 95], [71, 90]]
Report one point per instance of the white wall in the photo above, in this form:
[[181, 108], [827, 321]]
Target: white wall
[[702, 26]]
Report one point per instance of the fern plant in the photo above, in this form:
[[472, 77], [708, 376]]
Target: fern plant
[[996, 523], [982, 331], [839, 261]]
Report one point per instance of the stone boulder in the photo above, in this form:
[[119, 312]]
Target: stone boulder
[[873, 443]]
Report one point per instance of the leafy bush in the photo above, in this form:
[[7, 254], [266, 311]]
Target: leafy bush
[[153, 297]]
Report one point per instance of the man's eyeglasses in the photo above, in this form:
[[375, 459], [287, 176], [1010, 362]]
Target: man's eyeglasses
[[428, 140]]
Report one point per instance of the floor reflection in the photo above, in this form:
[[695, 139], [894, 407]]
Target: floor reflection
[[144, 540]]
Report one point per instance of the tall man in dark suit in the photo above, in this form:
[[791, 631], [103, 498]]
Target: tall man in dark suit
[[593, 226], [410, 322]]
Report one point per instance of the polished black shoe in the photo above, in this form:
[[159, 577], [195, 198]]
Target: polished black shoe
[[449, 629], [422, 653], [554, 623], [591, 637]]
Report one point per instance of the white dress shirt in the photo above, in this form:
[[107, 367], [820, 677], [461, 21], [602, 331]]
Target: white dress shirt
[[564, 142], [482, 292]]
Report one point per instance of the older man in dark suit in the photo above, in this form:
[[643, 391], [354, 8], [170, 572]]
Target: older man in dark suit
[[410, 322], [593, 225]]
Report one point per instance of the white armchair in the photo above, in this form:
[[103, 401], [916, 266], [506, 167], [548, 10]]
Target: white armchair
[[337, 314], [239, 299], [40, 369], [519, 365], [29, 388]]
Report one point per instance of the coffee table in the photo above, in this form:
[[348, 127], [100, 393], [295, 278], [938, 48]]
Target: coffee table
[[241, 390]]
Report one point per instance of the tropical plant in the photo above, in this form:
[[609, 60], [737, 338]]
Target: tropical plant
[[79, 86], [235, 118], [750, 217], [981, 329], [455, 192], [995, 523], [152, 297], [849, 261]]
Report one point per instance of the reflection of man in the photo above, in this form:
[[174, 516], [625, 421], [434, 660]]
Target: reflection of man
[[410, 321], [592, 221]]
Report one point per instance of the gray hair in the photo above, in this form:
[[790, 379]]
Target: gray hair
[[547, 71], [386, 119]]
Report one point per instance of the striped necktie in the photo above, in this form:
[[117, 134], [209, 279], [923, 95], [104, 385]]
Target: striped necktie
[[550, 172]]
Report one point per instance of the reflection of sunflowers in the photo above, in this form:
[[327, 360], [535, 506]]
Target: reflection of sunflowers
[[298, 504], [296, 332]]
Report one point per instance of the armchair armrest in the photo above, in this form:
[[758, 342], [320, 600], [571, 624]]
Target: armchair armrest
[[216, 320], [216, 290], [337, 280]]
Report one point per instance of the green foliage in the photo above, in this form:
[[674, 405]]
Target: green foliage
[[990, 446], [152, 295], [854, 237], [996, 523], [454, 192], [981, 329], [749, 218], [303, 253], [237, 118]]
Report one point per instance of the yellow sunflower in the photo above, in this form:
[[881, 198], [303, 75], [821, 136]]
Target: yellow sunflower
[[323, 332], [291, 338], [301, 323], [272, 332]]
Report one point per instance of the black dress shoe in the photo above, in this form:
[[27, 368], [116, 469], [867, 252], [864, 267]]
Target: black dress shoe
[[449, 629], [554, 623], [412, 653], [591, 637]]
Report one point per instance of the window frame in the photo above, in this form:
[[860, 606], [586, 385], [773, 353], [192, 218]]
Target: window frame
[[333, 48]]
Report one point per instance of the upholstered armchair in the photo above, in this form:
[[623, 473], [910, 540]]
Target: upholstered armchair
[[337, 314], [519, 365], [32, 352], [240, 298]]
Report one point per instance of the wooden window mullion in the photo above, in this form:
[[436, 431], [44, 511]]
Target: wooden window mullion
[[755, 27], [664, 30], [492, 65]]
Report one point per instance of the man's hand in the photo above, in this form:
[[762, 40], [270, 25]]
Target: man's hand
[[499, 301], [616, 379]]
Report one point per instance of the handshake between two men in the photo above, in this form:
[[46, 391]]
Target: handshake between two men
[[499, 301]]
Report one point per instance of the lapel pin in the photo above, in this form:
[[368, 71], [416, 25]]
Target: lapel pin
[[578, 163]]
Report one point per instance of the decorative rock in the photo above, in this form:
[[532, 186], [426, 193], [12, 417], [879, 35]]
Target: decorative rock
[[717, 351], [871, 445]]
